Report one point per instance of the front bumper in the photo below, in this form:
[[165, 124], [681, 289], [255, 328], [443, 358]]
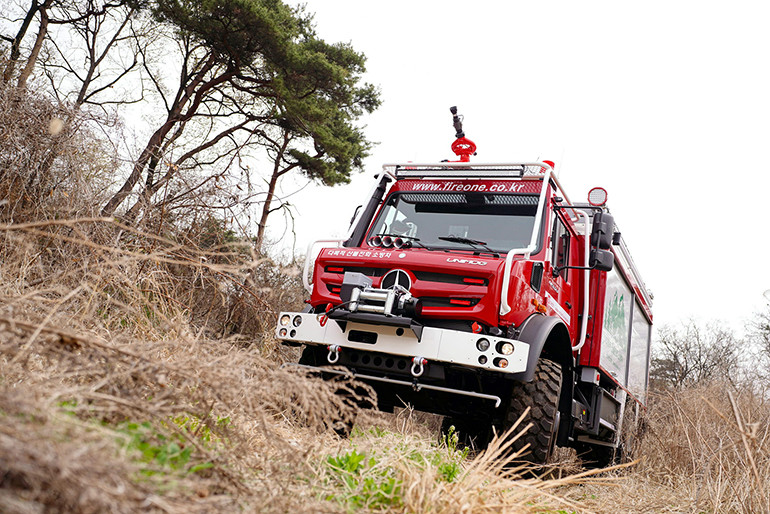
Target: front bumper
[[434, 344]]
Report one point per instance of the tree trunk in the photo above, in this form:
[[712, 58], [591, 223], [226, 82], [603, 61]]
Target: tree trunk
[[192, 92], [136, 173], [152, 186], [16, 44], [278, 172], [32, 59], [262, 225]]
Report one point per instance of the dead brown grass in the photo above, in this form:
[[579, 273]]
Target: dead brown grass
[[705, 449], [114, 382], [54, 463], [716, 439], [105, 331]]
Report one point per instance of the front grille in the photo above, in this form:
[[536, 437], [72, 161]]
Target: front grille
[[448, 302], [368, 271], [424, 276], [430, 276], [422, 283]]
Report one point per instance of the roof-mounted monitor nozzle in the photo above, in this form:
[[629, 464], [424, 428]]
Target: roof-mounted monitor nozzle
[[462, 147], [458, 122]]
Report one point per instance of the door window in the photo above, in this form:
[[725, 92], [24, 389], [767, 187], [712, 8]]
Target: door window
[[560, 247]]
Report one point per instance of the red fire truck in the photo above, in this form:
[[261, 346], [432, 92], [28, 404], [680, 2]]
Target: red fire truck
[[475, 291]]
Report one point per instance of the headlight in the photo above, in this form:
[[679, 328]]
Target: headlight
[[297, 321], [505, 347], [482, 345], [285, 319]]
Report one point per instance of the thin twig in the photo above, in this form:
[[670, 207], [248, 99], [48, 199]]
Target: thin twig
[[743, 435]]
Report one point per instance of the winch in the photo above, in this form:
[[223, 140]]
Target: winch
[[358, 295]]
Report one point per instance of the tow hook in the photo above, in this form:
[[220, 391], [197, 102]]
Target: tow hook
[[323, 318], [417, 366], [334, 353]]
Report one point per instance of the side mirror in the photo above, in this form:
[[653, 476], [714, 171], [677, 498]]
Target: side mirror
[[601, 233], [601, 260]]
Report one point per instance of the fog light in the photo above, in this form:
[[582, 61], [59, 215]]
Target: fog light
[[297, 321], [282, 332], [482, 359], [482, 345], [501, 363], [505, 347], [285, 319]]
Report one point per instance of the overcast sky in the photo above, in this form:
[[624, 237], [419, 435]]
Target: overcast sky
[[664, 104]]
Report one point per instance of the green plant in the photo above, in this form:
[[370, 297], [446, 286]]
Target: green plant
[[447, 457], [364, 482], [160, 453], [196, 428]]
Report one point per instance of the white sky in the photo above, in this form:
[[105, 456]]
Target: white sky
[[664, 104]]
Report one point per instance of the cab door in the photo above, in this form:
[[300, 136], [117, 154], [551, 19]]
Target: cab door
[[561, 283]]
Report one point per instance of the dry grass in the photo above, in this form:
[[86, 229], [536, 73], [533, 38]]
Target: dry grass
[[404, 470], [713, 442], [705, 449], [105, 332]]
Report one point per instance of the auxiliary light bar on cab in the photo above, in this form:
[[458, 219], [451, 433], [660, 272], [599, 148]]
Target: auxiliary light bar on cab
[[456, 169]]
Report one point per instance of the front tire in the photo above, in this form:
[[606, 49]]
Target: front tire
[[542, 397]]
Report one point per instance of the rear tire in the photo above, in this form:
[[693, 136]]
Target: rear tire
[[542, 397]]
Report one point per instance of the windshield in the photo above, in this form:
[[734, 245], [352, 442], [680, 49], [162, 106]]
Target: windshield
[[465, 221]]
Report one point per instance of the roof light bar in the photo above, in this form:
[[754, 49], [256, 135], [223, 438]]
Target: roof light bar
[[456, 169]]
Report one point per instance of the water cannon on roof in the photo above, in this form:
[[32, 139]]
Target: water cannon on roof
[[462, 146]]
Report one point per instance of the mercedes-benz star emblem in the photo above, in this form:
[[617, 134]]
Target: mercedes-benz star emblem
[[396, 276]]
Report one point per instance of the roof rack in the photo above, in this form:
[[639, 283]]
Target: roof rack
[[456, 169]]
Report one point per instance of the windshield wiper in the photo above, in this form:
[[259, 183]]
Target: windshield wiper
[[467, 241]]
